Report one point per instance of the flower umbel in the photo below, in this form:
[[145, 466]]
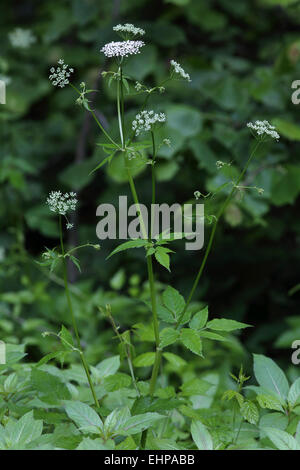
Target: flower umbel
[[62, 203], [60, 75], [180, 71], [128, 29], [264, 129], [22, 38], [145, 120], [122, 48]]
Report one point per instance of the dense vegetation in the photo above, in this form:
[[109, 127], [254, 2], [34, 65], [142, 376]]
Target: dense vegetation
[[111, 389]]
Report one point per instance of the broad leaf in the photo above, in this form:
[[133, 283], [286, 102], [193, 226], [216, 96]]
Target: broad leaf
[[84, 417], [138, 243], [223, 324], [201, 436], [191, 340], [270, 376]]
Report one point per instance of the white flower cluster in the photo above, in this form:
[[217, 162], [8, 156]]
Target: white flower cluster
[[178, 69], [62, 203], [263, 128], [122, 48], [60, 75], [145, 120], [129, 29], [21, 38]]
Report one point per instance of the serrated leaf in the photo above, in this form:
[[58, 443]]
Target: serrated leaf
[[161, 255], [138, 243], [173, 301], [199, 320], [269, 402], [201, 436], [223, 324], [87, 420], [108, 366], [250, 412], [191, 340], [168, 336], [281, 439]]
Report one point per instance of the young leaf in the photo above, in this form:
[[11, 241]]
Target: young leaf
[[212, 336], [161, 255], [199, 319], [84, 417], [191, 340], [138, 243], [270, 377], [66, 339], [250, 412], [201, 436], [223, 324], [176, 361]]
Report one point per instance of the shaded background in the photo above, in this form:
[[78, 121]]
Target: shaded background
[[243, 58]]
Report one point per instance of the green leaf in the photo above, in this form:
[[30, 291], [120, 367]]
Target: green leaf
[[195, 387], [25, 430], [144, 360], [105, 160], [269, 402], [176, 361], [51, 389], [108, 366], [161, 255], [270, 377], [139, 423], [223, 324], [199, 319], [281, 439], [168, 336], [115, 421], [165, 315], [173, 301], [287, 129], [93, 444], [191, 340], [294, 393], [84, 417], [66, 339], [201, 436], [212, 336], [138, 243], [250, 412]]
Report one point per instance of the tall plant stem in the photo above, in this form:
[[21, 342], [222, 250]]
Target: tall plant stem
[[74, 323], [120, 107], [212, 235]]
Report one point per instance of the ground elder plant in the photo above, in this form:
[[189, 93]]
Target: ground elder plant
[[128, 401]]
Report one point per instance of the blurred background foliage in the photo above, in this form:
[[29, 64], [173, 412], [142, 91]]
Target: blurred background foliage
[[242, 58]]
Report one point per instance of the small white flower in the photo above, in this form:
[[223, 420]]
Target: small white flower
[[122, 48], [138, 86], [69, 225], [60, 76], [145, 120], [21, 38], [62, 203], [263, 129], [129, 29], [179, 70]]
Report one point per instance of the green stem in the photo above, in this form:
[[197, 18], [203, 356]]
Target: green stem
[[212, 235], [96, 119], [68, 295]]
